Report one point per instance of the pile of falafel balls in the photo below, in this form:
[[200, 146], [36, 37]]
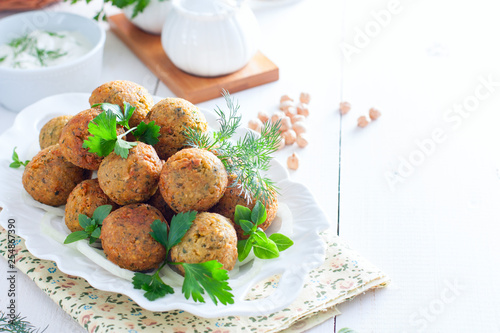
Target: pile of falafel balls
[[153, 182]]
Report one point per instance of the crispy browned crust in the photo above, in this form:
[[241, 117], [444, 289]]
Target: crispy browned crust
[[126, 240], [192, 179], [84, 199], [131, 180], [51, 131], [173, 115], [117, 92], [49, 178], [211, 237]]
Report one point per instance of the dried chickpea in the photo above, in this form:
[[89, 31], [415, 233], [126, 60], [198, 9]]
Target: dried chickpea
[[286, 124], [293, 162], [299, 127], [285, 98], [305, 97], [362, 121], [303, 109], [302, 140], [289, 137], [374, 114], [298, 117], [277, 116], [290, 112], [263, 116], [345, 107], [286, 105], [255, 124]]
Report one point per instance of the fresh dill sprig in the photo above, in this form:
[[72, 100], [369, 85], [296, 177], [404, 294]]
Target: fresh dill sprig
[[247, 158], [17, 324]]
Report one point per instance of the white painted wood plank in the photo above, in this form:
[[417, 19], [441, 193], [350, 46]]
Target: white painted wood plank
[[434, 232]]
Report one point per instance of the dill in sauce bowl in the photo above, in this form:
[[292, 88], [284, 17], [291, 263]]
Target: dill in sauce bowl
[[43, 49]]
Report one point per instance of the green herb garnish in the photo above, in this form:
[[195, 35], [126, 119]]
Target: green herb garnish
[[91, 226], [3, 58], [17, 324], [346, 330], [17, 162], [263, 247], [246, 158], [201, 278], [104, 140], [139, 6]]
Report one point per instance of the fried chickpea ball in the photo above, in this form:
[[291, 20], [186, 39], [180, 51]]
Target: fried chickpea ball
[[211, 237], [192, 179], [118, 92], [126, 240], [51, 131], [159, 203], [84, 199], [74, 133], [49, 178], [133, 179], [172, 115], [234, 196]]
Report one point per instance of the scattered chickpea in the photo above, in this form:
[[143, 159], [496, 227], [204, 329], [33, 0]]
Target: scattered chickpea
[[305, 97], [299, 127], [263, 116], [345, 107], [302, 140], [290, 137], [303, 109], [285, 98], [290, 112], [293, 162], [255, 124], [286, 124], [281, 145], [362, 121], [277, 116], [298, 117], [374, 114], [286, 105]]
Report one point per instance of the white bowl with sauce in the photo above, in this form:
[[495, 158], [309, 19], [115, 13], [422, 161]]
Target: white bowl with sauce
[[21, 87]]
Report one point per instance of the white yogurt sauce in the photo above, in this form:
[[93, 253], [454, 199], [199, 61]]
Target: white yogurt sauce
[[43, 49]]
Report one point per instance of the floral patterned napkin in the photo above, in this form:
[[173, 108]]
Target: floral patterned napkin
[[343, 276]]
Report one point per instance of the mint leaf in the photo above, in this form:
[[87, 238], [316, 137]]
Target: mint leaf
[[263, 247], [244, 248], [282, 242], [17, 162], [147, 133], [84, 220], [242, 213], [101, 212], [76, 236], [247, 226], [259, 214]]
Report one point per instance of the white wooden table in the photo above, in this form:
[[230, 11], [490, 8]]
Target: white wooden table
[[418, 191]]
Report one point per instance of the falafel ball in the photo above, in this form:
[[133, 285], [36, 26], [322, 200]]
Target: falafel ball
[[84, 199], [234, 196], [158, 202], [173, 115], [51, 131], [74, 133], [192, 179], [211, 237], [49, 178], [133, 179], [117, 92], [126, 240]]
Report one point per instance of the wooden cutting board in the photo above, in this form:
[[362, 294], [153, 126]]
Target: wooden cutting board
[[148, 48]]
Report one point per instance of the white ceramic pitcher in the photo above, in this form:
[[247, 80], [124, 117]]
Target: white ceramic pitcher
[[210, 37]]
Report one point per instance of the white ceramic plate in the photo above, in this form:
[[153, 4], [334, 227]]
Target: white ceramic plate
[[294, 264]]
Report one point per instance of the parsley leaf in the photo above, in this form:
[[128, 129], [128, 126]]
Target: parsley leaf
[[91, 226], [159, 232], [103, 130], [210, 277], [17, 162], [122, 118], [153, 285], [263, 247], [147, 133], [179, 225]]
